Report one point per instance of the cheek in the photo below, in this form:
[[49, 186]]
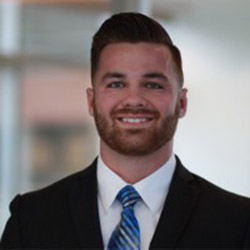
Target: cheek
[[165, 106], [105, 104]]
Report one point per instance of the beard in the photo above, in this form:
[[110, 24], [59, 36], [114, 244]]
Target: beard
[[136, 141]]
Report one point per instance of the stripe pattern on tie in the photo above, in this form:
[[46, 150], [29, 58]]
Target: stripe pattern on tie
[[127, 233]]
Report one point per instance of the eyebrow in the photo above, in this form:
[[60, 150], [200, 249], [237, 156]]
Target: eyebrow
[[157, 75], [113, 75]]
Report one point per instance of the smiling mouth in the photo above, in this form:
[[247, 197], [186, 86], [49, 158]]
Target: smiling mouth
[[135, 120]]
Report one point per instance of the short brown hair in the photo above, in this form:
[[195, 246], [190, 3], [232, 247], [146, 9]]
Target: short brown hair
[[133, 27]]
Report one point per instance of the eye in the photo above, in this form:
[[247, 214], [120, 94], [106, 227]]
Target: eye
[[153, 85], [116, 85]]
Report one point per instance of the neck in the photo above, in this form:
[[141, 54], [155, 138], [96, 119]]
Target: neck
[[135, 168]]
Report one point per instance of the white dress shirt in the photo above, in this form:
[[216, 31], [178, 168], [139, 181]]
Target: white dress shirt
[[152, 189]]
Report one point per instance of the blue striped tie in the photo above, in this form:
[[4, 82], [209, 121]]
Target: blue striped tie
[[127, 233]]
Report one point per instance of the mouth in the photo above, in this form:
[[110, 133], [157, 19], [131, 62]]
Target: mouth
[[135, 120], [132, 122]]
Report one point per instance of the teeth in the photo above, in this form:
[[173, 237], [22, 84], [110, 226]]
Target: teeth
[[134, 120]]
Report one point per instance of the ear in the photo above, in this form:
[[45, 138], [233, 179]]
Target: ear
[[183, 102], [90, 98]]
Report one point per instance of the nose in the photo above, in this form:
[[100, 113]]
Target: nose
[[134, 98]]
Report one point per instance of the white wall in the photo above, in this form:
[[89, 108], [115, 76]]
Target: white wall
[[213, 140]]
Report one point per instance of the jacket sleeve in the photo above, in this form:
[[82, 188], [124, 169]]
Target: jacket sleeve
[[247, 238], [11, 237]]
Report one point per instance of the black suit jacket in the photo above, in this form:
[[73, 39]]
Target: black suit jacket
[[196, 214]]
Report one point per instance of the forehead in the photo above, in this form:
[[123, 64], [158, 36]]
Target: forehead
[[135, 57]]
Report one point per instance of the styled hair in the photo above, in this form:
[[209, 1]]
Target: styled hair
[[133, 28]]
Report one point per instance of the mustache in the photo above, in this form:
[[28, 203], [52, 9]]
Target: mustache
[[135, 111]]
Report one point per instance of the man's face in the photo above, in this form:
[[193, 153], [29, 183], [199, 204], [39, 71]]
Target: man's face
[[136, 100]]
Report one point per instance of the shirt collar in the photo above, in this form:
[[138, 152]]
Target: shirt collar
[[109, 184], [152, 189]]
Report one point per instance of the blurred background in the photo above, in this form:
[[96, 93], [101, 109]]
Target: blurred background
[[45, 130]]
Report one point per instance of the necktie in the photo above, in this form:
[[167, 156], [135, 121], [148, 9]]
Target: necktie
[[127, 233]]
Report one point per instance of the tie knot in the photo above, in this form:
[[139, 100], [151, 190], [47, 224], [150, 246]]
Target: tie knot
[[128, 196]]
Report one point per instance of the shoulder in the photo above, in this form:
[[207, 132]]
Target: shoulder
[[217, 195], [38, 218], [57, 193], [211, 195]]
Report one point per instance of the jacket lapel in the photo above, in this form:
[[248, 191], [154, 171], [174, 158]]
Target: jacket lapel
[[178, 208], [84, 208], [179, 205]]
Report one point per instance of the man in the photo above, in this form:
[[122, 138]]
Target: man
[[136, 100]]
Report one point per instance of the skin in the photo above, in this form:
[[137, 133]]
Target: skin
[[136, 76]]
